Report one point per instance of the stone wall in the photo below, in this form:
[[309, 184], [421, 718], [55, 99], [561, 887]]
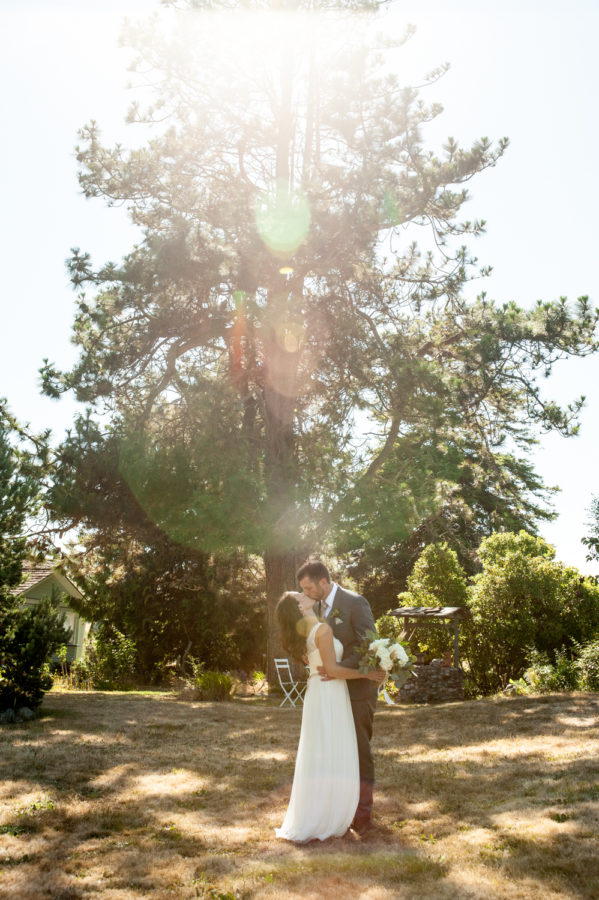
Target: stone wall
[[434, 684]]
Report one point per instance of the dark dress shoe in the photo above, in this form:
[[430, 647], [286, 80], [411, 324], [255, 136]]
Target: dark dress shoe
[[361, 826]]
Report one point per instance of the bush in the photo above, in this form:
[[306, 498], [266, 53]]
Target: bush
[[28, 638], [587, 666], [523, 599], [220, 650], [214, 686], [543, 676], [108, 660], [171, 600], [565, 674], [206, 685], [389, 627]]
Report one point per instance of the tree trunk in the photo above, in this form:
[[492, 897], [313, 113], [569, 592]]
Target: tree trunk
[[280, 398], [281, 480]]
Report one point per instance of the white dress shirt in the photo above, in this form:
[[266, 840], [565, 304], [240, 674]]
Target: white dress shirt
[[326, 605]]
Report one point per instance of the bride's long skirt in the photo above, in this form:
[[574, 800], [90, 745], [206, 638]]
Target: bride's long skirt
[[326, 783]]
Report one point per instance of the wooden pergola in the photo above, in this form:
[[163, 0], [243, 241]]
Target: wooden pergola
[[439, 616]]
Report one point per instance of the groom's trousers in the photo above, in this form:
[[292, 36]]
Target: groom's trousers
[[363, 711]]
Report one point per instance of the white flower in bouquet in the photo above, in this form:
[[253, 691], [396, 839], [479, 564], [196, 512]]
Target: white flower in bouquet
[[381, 653], [398, 654], [384, 658]]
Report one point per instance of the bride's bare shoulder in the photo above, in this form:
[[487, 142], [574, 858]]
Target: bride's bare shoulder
[[322, 632]]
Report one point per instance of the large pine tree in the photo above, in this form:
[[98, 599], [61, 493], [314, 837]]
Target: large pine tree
[[282, 362]]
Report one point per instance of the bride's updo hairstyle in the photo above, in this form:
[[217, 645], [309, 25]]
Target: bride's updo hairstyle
[[291, 626]]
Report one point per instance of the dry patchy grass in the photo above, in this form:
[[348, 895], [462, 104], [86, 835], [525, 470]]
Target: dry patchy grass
[[143, 795]]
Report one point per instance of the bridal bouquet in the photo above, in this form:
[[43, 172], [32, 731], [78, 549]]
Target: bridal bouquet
[[383, 653]]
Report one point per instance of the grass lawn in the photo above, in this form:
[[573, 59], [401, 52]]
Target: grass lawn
[[143, 795]]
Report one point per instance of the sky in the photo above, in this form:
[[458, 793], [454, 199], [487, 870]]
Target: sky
[[525, 70]]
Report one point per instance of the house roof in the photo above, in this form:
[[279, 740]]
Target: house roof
[[37, 572]]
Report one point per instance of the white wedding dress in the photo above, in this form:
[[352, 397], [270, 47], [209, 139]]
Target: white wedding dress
[[326, 783]]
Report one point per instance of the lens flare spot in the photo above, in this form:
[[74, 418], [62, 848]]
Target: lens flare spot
[[391, 210], [283, 220], [289, 336], [291, 343]]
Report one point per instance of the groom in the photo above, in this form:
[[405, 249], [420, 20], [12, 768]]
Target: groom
[[350, 617]]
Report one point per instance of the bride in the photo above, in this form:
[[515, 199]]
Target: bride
[[326, 783]]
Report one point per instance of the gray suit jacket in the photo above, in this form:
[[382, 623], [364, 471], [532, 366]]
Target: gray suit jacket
[[354, 618]]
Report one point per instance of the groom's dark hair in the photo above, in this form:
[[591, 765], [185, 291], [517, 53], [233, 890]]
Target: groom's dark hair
[[314, 570]]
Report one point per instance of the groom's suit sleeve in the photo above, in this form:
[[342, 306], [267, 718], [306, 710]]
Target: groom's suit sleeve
[[362, 621]]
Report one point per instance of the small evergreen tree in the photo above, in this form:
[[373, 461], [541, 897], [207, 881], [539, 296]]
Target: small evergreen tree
[[437, 579], [27, 637]]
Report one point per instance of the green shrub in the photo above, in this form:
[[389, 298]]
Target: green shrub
[[76, 678], [109, 659], [28, 638], [524, 598], [206, 685], [214, 686], [80, 673], [540, 678], [172, 600], [543, 676], [520, 686], [565, 674], [587, 666], [437, 579], [219, 649]]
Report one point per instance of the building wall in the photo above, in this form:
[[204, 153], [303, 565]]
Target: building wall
[[79, 627]]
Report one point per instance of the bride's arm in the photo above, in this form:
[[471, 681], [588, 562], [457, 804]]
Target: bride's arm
[[324, 642]]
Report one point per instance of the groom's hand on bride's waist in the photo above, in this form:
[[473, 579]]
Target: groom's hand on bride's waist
[[323, 674], [378, 675]]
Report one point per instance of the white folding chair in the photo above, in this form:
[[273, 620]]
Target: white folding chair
[[292, 689]]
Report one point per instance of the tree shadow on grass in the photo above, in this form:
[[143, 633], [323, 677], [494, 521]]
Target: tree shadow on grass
[[445, 724], [130, 794], [518, 784]]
